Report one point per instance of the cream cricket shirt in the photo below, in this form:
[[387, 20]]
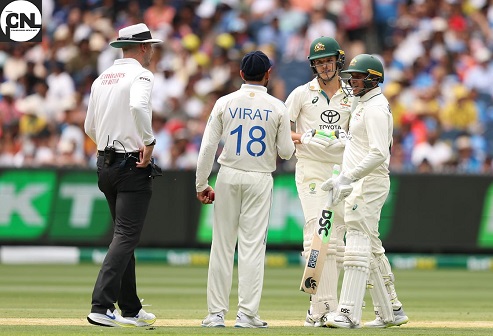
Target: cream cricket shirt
[[254, 128], [119, 107], [309, 109], [370, 137]]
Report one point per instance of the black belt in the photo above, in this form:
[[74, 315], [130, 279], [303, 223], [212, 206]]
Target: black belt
[[136, 155]]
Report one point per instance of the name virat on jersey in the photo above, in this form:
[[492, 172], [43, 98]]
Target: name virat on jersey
[[248, 113]]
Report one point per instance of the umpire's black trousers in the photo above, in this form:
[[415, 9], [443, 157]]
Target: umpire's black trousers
[[128, 190]]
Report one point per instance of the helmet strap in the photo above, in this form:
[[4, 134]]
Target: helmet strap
[[328, 80], [331, 78]]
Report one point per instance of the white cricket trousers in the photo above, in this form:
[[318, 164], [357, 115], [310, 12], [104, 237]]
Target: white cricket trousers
[[310, 174], [241, 213], [363, 207]]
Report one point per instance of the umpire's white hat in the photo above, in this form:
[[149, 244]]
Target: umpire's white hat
[[138, 33]]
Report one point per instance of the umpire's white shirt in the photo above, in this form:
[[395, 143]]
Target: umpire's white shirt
[[370, 137], [119, 107], [256, 129], [309, 109]]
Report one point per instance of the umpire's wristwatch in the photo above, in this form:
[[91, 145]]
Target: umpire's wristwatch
[[152, 143]]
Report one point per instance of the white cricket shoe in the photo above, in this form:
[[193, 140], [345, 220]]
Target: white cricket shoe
[[311, 321], [400, 318], [245, 321], [214, 320], [340, 321], [110, 319], [143, 318]]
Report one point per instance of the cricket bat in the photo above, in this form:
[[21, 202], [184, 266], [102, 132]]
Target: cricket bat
[[320, 242]]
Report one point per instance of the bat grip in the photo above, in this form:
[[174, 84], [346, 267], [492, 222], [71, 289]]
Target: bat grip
[[336, 170], [329, 200]]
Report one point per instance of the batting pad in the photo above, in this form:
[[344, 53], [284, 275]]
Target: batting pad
[[333, 254], [308, 231], [379, 295], [388, 279], [356, 270], [337, 242], [318, 309], [340, 256], [327, 287]]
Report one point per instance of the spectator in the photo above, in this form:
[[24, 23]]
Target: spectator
[[6, 158], [319, 25], [467, 161], [166, 85], [460, 114], [427, 51], [391, 91], [32, 120], [72, 135], [9, 113], [487, 167], [61, 87], [159, 16], [163, 139], [291, 19], [384, 19], [15, 65], [425, 167], [183, 155], [355, 20], [436, 152], [398, 161], [478, 78], [44, 155], [84, 63], [272, 35], [66, 157]]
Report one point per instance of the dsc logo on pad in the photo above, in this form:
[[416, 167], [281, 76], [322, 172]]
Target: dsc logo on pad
[[20, 21]]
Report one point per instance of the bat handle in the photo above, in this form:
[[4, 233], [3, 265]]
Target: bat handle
[[329, 200], [336, 170]]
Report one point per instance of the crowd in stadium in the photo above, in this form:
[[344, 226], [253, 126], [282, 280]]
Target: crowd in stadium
[[437, 57]]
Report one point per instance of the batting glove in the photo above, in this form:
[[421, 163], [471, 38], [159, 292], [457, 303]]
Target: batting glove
[[323, 139], [340, 187], [342, 136]]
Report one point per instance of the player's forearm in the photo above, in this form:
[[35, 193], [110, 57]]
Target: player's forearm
[[142, 117], [285, 141], [204, 165], [369, 163], [89, 129], [296, 137], [204, 168]]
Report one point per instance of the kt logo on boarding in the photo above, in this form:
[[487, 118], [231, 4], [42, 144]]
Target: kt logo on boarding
[[20, 21]]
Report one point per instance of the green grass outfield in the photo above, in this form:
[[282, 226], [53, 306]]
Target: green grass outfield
[[55, 300]]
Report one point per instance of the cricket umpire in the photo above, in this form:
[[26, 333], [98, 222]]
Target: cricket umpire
[[119, 122]]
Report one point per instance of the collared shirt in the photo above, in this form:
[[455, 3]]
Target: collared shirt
[[119, 107], [254, 128], [370, 137], [309, 107]]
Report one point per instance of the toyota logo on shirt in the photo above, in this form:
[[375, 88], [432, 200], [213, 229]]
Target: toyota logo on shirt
[[330, 116]]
